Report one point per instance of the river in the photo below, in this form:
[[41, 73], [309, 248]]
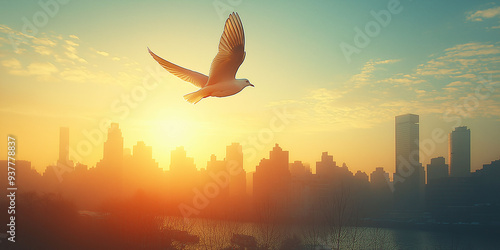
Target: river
[[214, 234]]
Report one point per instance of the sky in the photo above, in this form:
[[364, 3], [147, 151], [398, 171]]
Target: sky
[[328, 75]]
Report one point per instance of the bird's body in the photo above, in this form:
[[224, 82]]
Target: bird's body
[[221, 89], [221, 81]]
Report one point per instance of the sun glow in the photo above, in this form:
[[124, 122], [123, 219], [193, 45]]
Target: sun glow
[[177, 130]]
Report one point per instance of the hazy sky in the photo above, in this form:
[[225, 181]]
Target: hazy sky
[[342, 69]]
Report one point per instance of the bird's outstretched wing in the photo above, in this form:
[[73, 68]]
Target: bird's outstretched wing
[[198, 79], [231, 51]]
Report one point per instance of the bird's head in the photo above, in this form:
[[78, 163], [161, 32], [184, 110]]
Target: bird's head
[[245, 82]]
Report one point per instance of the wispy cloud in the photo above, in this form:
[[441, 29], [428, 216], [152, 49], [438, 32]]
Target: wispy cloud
[[366, 74], [457, 83], [368, 99], [41, 69], [11, 63], [102, 53], [63, 58], [480, 15]]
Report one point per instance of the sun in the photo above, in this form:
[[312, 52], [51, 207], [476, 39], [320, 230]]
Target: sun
[[178, 130]]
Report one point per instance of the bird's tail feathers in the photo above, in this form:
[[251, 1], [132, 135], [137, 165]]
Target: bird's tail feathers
[[195, 97]]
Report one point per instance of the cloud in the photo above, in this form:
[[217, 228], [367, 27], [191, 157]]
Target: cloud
[[432, 87], [457, 83], [75, 75], [102, 53], [426, 71], [11, 63], [365, 77], [44, 41], [387, 61], [42, 50], [468, 76], [471, 50], [42, 69], [71, 44], [480, 15], [57, 57], [461, 61], [402, 80], [451, 89]]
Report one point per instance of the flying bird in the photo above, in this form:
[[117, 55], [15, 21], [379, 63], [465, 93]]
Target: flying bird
[[221, 80]]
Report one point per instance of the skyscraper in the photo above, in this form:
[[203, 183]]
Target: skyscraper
[[238, 175], [459, 150], [379, 179], [325, 168], [63, 145], [181, 165], [407, 144], [142, 160], [111, 164], [437, 169], [63, 160], [113, 149], [271, 180], [409, 178]]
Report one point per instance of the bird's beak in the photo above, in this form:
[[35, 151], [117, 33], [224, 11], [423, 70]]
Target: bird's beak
[[251, 85]]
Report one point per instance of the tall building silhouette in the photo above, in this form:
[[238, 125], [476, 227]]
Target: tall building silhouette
[[459, 152], [63, 145], [218, 169], [301, 189], [64, 164], [271, 181], [361, 176], [234, 161], [298, 169], [409, 178], [181, 165], [381, 197], [141, 151], [142, 160], [330, 176], [110, 167], [379, 179], [325, 169], [112, 159], [437, 169]]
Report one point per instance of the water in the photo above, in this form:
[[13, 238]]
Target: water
[[215, 234]]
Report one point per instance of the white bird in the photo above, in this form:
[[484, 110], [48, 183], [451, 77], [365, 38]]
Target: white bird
[[221, 81]]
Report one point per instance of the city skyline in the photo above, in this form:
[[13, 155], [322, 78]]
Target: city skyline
[[127, 190], [277, 181], [408, 132]]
